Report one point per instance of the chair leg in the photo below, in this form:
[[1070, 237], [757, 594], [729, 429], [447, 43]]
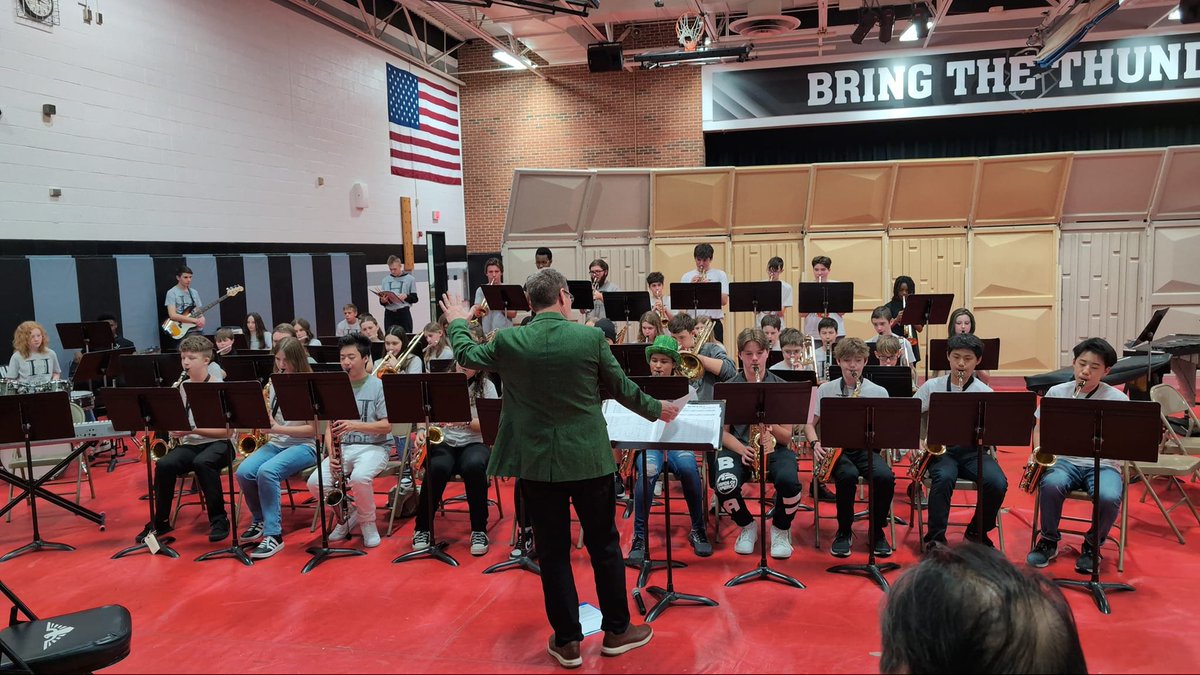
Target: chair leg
[[395, 505], [1166, 514], [178, 501], [999, 528], [1123, 540], [919, 515], [816, 518], [1184, 499], [1035, 528], [287, 484], [91, 484], [499, 500]]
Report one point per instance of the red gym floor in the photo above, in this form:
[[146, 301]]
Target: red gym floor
[[367, 615]]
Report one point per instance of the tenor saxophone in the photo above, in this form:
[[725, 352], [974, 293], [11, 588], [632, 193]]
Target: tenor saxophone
[[338, 498]]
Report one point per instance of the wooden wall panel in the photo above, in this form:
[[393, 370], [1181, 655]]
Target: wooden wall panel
[[857, 258], [1175, 276], [618, 205], [545, 203], [628, 265], [770, 199], [1111, 186], [1177, 196], [1014, 283], [1023, 190], [937, 262], [691, 203], [749, 263], [1102, 286], [933, 193], [518, 260], [850, 196]]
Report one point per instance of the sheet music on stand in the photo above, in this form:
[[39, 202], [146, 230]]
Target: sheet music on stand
[[698, 423]]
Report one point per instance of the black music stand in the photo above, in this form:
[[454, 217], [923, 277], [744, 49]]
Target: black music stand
[[1144, 340], [764, 403], [773, 356], [243, 368], [324, 353], [86, 335], [896, 379], [626, 305], [489, 424], [317, 397], [505, 298], [1121, 430], [377, 351], [979, 420], [440, 366], [581, 295], [870, 424], [831, 297], [941, 360], [150, 370], [25, 418], [429, 398], [923, 309], [147, 409], [101, 364], [632, 358], [232, 405], [695, 296], [755, 296]]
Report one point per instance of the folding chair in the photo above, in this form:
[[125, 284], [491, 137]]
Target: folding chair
[[1181, 436], [1081, 495], [961, 485], [1172, 468]]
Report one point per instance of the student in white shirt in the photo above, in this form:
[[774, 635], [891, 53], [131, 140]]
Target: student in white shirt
[[771, 326], [1094, 359], [775, 273], [32, 360], [436, 345], [492, 318], [351, 323], [964, 353], [660, 302], [705, 272], [820, 266], [304, 332], [257, 336], [881, 321]]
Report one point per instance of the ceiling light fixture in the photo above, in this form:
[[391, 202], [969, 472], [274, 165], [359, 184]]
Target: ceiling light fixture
[[513, 62]]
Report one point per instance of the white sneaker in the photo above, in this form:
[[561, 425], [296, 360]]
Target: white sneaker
[[370, 534], [781, 543], [746, 539], [658, 488], [342, 531]]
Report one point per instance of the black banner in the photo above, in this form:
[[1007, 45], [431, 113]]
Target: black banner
[[1111, 72]]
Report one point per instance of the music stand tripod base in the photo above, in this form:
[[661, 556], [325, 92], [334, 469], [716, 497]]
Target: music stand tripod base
[[164, 548], [1097, 589], [321, 553]]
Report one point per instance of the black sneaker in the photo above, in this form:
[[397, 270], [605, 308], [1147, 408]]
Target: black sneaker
[[1042, 554], [821, 492], [269, 546], [160, 531], [219, 529], [882, 548], [841, 544], [1084, 564], [931, 544], [618, 486], [637, 552], [699, 541], [985, 540], [252, 533]]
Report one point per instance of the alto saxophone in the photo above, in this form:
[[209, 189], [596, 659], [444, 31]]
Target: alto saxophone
[[248, 443], [338, 498], [823, 469], [160, 447], [761, 439], [1041, 460]]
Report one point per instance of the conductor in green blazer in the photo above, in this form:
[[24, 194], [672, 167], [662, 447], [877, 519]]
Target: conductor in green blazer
[[554, 438]]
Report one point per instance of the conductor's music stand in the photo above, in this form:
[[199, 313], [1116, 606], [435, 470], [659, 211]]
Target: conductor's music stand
[[626, 305], [232, 405], [581, 295], [436, 397], [86, 335], [147, 409], [764, 403], [25, 418], [979, 420], [1119, 430], [489, 424], [923, 309], [150, 370], [319, 397], [755, 296], [870, 424], [831, 297]]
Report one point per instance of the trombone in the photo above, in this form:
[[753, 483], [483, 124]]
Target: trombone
[[689, 361]]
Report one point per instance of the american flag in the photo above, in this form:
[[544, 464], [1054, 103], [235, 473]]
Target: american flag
[[423, 129]]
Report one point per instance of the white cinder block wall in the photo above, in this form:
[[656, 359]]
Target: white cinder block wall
[[201, 121]]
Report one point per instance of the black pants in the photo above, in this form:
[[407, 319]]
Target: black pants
[[962, 462], [548, 506], [206, 460], [851, 465], [398, 317], [730, 474], [444, 461]]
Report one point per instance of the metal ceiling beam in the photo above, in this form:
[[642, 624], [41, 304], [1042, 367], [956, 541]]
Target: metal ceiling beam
[[943, 8], [470, 27]]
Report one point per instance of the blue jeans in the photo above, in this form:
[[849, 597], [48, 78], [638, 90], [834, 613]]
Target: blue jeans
[[260, 476], [683, 465], [1064, 477]]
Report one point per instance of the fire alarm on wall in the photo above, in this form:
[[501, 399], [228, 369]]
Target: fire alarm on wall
[[437, 215], [358, 196]]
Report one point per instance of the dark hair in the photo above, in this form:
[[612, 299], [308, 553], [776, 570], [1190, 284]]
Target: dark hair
[[303, 323], [681, 323], [107, 316], [791, 337], [822, 260], [399, 332], [182, 270], [542, 250], [602, 264], [259, 328], [775, 263], [881, 312], [771, 320], [493, 262], [1099, 347], [827, 322], [703, 251], [223, 334], [907, 281], [966, 341], [961, 311], [357, 340], [968, 608], [655, 278], [543, 286]]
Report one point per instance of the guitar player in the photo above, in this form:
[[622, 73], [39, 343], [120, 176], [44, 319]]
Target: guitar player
[[180, 297]]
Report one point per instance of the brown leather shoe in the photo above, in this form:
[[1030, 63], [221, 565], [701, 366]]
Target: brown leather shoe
[[635, 636], [566, 655]]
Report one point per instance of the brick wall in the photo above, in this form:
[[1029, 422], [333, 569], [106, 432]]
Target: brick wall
[[571, 120]]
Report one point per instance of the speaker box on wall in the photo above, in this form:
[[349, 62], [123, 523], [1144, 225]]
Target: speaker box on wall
[[1189, 11], [605, 57]]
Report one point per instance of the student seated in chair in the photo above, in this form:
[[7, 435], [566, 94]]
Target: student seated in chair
[[1094, 358]]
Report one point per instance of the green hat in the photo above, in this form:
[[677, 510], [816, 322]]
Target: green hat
[[665, 345]]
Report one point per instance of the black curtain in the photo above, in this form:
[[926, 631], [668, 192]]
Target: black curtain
[[1110, 128]]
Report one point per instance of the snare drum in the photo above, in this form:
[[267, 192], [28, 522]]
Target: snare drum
[[84, 399], [7, 387]]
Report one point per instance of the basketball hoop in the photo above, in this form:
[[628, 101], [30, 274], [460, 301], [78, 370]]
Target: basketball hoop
[[689, 31]]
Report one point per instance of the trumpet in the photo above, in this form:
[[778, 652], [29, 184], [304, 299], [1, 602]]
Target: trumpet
[[248, 443], [702, 275], [689, 361], [1039, 461], [661, 309], [433, 435]]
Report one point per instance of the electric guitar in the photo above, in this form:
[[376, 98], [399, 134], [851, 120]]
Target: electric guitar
[[180, 330]]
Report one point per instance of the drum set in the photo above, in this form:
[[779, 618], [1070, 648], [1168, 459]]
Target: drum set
[[83, 403]]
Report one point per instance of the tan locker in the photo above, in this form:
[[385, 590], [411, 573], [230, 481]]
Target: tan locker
[[1176, 196], [933, 193], [1175, 276], [1014, 285]]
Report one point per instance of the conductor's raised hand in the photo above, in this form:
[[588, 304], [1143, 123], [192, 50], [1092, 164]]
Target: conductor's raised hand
[[669, 412], [453, 308]]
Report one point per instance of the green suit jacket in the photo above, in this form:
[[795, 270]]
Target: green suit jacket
[[551, 426]]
